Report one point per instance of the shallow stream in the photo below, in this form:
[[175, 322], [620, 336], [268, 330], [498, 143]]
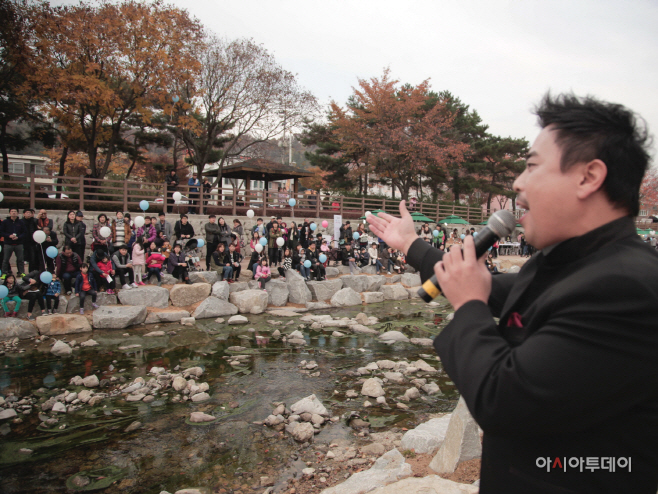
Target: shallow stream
[[230, 454]]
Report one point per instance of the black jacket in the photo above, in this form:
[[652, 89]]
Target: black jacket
[[186, 229], [30, 228], [169, 180], [9, 227], [345, 256], [76, 229], [574, 375]]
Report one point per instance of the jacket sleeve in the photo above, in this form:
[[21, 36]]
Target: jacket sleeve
[[80, 235], [21, 231], [94, 265]]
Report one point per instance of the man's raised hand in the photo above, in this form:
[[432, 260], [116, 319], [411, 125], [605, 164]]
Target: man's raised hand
[[398, 233]]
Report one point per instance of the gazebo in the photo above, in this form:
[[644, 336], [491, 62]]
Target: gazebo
[[262, 169]]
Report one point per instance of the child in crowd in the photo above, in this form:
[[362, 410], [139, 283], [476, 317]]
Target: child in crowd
[[52, 294], [34, 294], [154, 263], [373, 252], [85, 284], [106, 279], [263, 273], [304, 271], [256, 258], [139, 260], [10, 283], [287, 263], [324, 248]]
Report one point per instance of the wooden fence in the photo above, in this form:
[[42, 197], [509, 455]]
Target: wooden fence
[[34, 191]]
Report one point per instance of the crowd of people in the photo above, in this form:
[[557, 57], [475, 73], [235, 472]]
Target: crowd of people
[[120, 250]]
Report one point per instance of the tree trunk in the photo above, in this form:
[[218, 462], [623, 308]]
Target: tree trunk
[[62, 162], [360, 184], [514, 203], [3, 148], [365, 185]]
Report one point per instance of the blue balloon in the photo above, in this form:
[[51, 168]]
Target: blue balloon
[[462, 236], [307, 264], [435, 233], [52, 252], [355, 236], [292, 202], [46, 277], [475, 234], [313, 226], [323, 258], [3, 291], [143, 205], [175, 99], [200, 242], [263, 241]]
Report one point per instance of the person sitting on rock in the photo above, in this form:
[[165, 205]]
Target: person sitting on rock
[[316, 266], [85, 284], [287, 263], [234, 259], [385, 258], [12, 295], [364, 258], [348, 258], [220, 264], [53, 291], [124, 268], [34, 293], [263, 274], [106, 278], [177, 264], [154, 263]]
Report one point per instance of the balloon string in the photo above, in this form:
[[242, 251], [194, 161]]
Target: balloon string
[[45, 266]]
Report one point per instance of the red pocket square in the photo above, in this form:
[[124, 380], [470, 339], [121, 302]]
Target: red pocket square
[[514, 320]]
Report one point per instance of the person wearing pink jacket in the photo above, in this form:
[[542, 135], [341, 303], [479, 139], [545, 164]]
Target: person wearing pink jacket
[[263, 273], [138, 260]]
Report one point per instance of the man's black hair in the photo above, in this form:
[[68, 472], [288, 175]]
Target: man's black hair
[[589, 129]]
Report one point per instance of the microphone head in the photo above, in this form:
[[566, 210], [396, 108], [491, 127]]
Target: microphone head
[[502, 223]]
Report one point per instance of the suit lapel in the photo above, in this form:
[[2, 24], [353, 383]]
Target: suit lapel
[[523, 280]]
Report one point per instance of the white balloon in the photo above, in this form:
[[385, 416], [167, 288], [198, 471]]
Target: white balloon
[[105, 231], [368, 213], [139, 221], [259, 248], [2, 196], [280, 242], [250, 213], [39, 236], [177, 196]]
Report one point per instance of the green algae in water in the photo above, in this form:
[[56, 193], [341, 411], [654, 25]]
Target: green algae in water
[[100, 478], [377, 422]]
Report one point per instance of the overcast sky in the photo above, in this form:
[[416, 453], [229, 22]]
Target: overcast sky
[[497, 56]]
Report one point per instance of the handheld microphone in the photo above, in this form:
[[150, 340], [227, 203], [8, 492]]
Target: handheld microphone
[[500, 224]]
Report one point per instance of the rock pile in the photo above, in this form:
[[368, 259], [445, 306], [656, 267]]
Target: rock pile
[[302, 421]]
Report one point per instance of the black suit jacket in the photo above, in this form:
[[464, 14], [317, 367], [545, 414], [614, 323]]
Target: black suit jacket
[[571, 369]]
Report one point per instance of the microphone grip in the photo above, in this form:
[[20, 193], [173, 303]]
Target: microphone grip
[[431, 289]]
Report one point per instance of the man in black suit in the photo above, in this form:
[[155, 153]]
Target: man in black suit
[[565, 385]]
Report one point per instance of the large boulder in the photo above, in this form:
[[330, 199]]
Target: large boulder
[[389, 468], [119, 316], [324, 290], [11, 328], [102, 299], [298, 291], [311, 405], [150, 296], [203, 277], [250, 301], [426, 485], [410, 279], [345, 297], [63, 324], [461, 443], [372, 297], [428, 436], [221, 290], [394, 292], [355, 282], [331, 272], [346, 270], [369, 269], [278, 293], [166, 315], [184, 295], [395, 278], [168, 279], [374, 283], [238, 286], [394, 336], [214, 307]]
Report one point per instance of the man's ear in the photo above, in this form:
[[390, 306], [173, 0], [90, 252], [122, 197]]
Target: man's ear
[[591, 176]]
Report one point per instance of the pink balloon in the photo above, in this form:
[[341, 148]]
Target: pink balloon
[[325, 224]]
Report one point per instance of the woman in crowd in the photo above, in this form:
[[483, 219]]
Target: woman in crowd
[[147, 231], [220, 261], [293, 236], [73, 233], [34, 293], [99, 241], [263, 274], [121, 231], [426, 233], [287, 263], [177, 265], [373, 252], [238, 229], [67, 267], [224, 233]]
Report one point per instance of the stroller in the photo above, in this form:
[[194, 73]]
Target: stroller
[[192, 255]]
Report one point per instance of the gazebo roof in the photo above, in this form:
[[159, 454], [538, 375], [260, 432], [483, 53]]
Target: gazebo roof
[[259, 168]]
